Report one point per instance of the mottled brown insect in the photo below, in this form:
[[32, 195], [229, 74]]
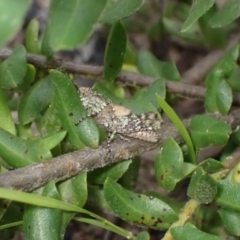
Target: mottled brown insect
[[118, 119]]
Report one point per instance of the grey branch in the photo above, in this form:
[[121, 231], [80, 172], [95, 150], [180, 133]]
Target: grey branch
[[178, 88], [87, 159]]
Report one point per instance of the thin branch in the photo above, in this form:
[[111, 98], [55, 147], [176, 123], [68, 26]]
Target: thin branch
[[87, 159], [178, 88], [185, 214], [183, 89]]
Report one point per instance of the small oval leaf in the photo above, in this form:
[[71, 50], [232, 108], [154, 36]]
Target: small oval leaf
[[228, 195], [169, 165], [138, 209], [32, 32], [148, 94], [202, 187], [115, 50], [198, 8], [71, 111], [13, 13], [43, 223], [209, 131], [231, 221], [19, 152], [229, 12], [190, 232], [36, 99], [120, 9], [224, 97], [13, 69], [73, 191], [6, 120], [143, 236], [149, 65], [78, 19], [114, 171]]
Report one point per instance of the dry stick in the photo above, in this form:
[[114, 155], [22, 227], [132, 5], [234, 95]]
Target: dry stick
[[97, 72], [87, 159], [177, 88]]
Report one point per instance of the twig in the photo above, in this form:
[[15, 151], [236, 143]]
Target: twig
[[186, 213], [87, 159], [97, 72], [178, 88]]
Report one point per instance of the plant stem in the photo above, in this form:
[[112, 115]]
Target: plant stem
[[187, 211]]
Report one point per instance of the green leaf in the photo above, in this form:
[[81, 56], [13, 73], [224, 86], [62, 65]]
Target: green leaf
[[138, 209], [11, 213], [119, 10], [28, 78], [74, 191], [202, 187], [32, 32], [36, 99], [233, 79], [180, 126], [52, 140], [12, 16], [71, 23], [225, 67], [42, 201], [149, 65], [129, 178], [207, 219], [143, 236], [96, 198], [218, 96], [130, 57], [175, 204], [70, 111], [169, 165], [189, 232], [43, 223], [19, 152], [215, 37], [25, 132], [5, 206], [173, 27], [114, 171], [38, 200], [198, 8], [224, 97], [148, 94], [209, 131], [228, 195], [231, 221], [136, 106], [229, 12], [114, 54], [49, 122], [15, 151], [13, 69], [211, 165], [6, 120]]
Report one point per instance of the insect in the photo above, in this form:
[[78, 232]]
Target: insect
[[118, 120]]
